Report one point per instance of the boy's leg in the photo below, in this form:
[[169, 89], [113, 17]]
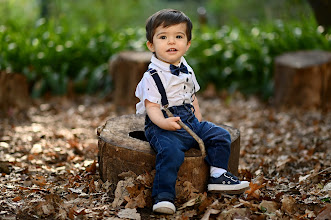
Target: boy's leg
[[218, 146], [170, 150]]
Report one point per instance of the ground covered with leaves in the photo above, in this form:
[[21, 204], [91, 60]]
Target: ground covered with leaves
[[49, 170]]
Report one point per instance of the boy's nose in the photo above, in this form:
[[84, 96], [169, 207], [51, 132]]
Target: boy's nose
[[171, 40]]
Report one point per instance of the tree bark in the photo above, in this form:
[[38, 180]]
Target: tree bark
[[123, 147], [14, 94], [303, 79], [126, 69], [322, 9]]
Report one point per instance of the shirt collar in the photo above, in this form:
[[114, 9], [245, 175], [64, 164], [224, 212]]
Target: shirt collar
[[163, 65]]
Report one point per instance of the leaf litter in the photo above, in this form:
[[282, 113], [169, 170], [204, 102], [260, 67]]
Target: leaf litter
[[49, 169]]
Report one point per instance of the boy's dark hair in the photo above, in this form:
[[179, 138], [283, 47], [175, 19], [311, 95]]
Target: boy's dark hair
[[167, 17]]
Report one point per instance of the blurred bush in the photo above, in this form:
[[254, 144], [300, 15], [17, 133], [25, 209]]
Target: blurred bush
[[240, 57], [63, 52]]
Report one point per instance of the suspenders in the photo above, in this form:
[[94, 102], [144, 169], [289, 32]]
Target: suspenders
[[165, 103], [160, 87]]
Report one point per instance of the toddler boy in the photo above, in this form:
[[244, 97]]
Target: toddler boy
[[171, 83]]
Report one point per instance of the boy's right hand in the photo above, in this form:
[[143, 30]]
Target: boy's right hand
[[156, 116], [171, 124]]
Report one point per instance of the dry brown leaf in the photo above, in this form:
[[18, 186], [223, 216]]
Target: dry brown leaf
[[235, 213], [253, 190], [325, 213], [121, 191], [185, 191], [137, 202], [128, 213], [17, 198], [146, 179], [288, 205], [209, 212], [92, 168], [189, 203], [269, 206], [205, 202], [39, 181], [71, 214]]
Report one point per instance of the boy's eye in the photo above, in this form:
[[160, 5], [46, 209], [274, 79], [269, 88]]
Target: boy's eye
[[179, 36], [163, 37]]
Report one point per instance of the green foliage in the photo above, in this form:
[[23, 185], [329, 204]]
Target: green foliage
[[51, 55], [241, 57], [69, 50]]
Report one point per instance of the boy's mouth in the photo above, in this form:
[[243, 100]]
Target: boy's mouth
[[171, 50]]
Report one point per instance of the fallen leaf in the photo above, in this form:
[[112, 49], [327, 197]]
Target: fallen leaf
[[253, 190], [325, 213], [209, 212], [17, 198], [288, 204], [121, 191], [92, 168], [39, 181], [71, 214], [189, 203], [235, 213], [269, 206], [129, 214], [136, 202]]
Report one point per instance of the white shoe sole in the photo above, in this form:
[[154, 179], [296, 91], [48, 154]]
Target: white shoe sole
[[234, 189], [164, 207]]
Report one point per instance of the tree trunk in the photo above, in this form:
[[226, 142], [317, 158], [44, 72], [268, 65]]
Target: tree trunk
[[303, 79], [127, 69], [123, 147], [322, 11], [14, 94]]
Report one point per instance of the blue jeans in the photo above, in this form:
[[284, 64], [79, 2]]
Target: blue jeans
[[170, 147]]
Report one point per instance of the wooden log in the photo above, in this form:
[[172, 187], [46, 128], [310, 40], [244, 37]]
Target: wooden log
[[303, 79], [123, 147], [322, 13], [14, 94], [126, 69]]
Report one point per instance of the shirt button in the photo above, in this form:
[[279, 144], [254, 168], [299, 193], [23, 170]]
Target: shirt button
[[184, 87]]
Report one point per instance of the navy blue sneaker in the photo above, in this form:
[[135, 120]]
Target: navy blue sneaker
[[228, 183]]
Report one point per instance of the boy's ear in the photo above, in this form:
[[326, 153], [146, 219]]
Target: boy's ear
[[188, 45], [150, 46]]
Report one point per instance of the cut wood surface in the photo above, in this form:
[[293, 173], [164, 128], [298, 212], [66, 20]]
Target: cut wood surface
[[303, 79], [126, 69], [123, 147]]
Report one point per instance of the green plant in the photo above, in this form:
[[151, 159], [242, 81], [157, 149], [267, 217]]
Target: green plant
[[241, 57]]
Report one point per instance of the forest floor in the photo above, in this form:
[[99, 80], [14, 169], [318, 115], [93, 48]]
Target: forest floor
[[49, 170]]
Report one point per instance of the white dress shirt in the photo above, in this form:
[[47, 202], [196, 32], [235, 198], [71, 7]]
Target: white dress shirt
[[179, 89]]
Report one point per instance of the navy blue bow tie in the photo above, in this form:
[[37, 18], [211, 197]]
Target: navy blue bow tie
[[176, 70]]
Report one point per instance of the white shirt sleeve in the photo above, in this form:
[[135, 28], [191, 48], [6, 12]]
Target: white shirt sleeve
[[195, 82], [147, 89]]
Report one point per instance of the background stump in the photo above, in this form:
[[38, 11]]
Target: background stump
[[303, 79], [14, 93], [123, 147], [126, 69]]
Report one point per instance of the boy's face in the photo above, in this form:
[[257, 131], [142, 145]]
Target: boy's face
[[170, 43]]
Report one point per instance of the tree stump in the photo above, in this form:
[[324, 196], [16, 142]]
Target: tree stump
[[123, 147], [14, 93], [303, 79], [126, 69]]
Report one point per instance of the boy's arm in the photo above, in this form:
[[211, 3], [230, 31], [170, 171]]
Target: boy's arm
[[197, 112], [155, 114]]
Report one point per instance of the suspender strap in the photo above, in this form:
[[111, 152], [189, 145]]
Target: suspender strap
[[160, 87]]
